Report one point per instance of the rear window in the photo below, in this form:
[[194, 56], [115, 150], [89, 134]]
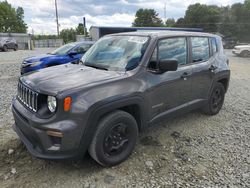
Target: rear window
[[200, 49]]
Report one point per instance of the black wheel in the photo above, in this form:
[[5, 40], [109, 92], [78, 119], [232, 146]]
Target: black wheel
[[216, 100], [114, 139], [245, 53], [15, 48], [5, 49]]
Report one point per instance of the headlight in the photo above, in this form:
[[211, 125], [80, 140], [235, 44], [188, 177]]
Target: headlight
[[52, 103], [35, 63]]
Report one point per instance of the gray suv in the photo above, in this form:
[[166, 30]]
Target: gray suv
[[126, 83], [7, 43]]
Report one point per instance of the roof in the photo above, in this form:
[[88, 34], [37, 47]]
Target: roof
[[157, 34], [83, 42], [151, 28]]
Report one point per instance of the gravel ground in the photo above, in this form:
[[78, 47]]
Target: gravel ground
[[191, 151]]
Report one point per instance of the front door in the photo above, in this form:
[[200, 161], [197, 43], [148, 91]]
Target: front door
[[169, 91]]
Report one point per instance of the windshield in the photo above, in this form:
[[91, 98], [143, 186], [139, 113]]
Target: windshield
[[116, 53], [63, 50]]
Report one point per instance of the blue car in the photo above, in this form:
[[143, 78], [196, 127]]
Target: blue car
[[69, 53]]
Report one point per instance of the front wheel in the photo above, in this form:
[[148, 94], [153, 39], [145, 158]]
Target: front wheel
[[5, 49], [114, 139], [216, 100], [245, 53]]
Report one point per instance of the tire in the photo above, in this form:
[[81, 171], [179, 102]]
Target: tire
[[5, 49], [15, 48], [109, 146], [216, 100], [245, 53]]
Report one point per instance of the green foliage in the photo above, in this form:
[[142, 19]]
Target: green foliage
[[11, 19], [170, 22], [230, 21], [42, 37], [204, 16], [80, 29], [147, 18], [180, 23], [68, 35]]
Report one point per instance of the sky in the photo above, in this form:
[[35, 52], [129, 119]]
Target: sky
[[40, 14]]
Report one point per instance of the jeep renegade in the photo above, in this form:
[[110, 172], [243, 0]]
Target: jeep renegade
[[125, 83]]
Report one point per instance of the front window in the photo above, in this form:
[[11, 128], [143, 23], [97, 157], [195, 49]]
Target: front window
[[118, 53], [82, 48], [63, 50], [170, 48]]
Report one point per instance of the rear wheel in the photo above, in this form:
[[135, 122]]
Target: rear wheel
[[245, 53], [15, 48], [216, 100], [115, 138]]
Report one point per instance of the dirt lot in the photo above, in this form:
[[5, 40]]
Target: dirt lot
[[191, 151]]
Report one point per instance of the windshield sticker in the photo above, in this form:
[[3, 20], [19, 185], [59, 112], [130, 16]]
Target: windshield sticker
[[138, 39]]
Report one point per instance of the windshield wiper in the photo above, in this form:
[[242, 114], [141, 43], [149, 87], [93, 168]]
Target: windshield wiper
[[95, 66]]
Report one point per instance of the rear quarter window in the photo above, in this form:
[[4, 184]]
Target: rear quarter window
[[214, 45]]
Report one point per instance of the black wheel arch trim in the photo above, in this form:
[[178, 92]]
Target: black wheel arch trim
[[219, 76], [98, 110]]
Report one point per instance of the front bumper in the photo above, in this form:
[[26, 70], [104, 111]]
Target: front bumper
[[236, 52], [33, 133]]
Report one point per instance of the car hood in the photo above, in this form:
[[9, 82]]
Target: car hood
[[64, 77], [41, 57], [242, 46]]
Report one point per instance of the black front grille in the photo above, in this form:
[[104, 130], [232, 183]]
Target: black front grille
[[27, 96]]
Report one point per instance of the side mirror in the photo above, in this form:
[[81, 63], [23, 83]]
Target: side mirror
[[72, 53], [168, 65]]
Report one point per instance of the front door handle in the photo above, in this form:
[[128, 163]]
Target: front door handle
[[212, 68], [185, 75]]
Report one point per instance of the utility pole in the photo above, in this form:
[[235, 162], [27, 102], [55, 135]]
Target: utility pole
[[84, 27], [165, 12], [57, 23]]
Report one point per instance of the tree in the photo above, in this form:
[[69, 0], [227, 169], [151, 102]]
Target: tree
[[80, 29], [147, 18], [180, 22], [44, 37], [21, 27], [170, 22], [11, 19], [204, 16], [68, 35]]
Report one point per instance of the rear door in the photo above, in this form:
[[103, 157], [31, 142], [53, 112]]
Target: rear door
[[203, 56]]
